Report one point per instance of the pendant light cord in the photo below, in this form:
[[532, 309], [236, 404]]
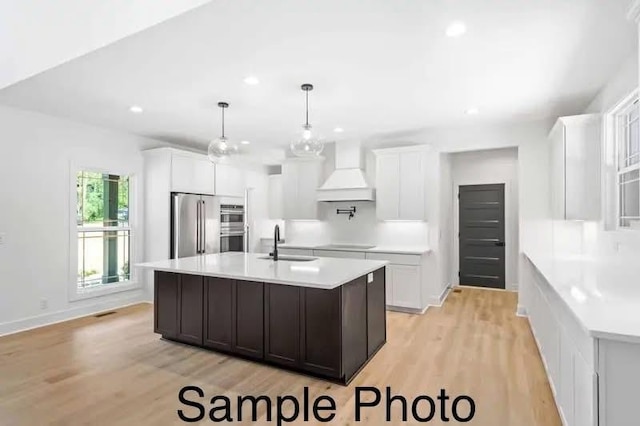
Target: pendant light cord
[[307, 93], [223, 122]]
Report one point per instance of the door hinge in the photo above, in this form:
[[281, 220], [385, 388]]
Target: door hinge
[[458, 274]]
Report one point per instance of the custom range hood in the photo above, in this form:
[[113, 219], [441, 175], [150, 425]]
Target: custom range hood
[[348, 182]]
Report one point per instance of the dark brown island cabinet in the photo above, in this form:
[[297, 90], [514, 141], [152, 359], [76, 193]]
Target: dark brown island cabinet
[[326, 333]]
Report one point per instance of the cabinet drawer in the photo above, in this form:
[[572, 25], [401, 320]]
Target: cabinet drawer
[[339, 254], [396, 259]]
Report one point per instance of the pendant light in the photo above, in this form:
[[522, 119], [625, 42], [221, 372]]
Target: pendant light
[[221, 147], [307, 145]]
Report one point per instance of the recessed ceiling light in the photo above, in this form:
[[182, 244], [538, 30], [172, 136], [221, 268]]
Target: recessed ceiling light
[[251, 80], [472, 111], [245, 142], [136, 109], [338, 130], [456, 29]]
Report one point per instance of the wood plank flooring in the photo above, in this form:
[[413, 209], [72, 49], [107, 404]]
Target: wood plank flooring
[[114, 371]]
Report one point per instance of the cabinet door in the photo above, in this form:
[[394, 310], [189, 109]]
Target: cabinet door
[[585, 393], [191, 307], [388, 186], [249, 319], [275, 197], [376, 312], [582, 170], [230, 180], [412, 190], [320, 338], [354, 326], [565, 387], [406, 286], [308, 184], [558, 173], [282, 324], [193, 175], [165, 303], [219, 314], [289, 190]]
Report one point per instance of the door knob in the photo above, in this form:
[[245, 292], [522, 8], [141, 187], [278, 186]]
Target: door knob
[[500, 244]]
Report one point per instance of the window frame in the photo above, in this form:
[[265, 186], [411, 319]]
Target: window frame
[[74, 292], [620, 131]]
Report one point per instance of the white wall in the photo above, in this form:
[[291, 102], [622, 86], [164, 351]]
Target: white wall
[[37, 35], [364, 228], [490, 167], [447, 274], [36, 152]]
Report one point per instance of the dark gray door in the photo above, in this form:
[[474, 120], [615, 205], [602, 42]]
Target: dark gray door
[[482, 248]]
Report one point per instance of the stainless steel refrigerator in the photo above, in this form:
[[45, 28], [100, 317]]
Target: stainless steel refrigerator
[[195, 225]]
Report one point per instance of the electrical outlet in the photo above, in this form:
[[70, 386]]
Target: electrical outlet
[[2, 238], [44, 304]]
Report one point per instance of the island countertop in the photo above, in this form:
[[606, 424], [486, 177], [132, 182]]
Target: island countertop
[[321, 272]]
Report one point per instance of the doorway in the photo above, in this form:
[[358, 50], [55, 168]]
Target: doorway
[[482, 235]]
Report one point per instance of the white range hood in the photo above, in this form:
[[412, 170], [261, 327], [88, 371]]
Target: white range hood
[[348, 182]]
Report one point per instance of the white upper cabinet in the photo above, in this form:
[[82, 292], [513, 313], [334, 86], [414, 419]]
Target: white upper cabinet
[[388, 186], [401, 183], [575, 167], [275, 197], [192, 173], [300, 180], [230, 180]]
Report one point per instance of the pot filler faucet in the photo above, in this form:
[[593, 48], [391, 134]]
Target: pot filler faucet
[[276, 238]]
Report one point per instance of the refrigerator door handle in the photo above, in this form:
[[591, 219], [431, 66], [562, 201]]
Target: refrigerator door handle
[[198, 226], [176, 221], [203, 228]]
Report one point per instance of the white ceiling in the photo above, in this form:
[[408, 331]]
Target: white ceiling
[[36, 35], [383, 70]]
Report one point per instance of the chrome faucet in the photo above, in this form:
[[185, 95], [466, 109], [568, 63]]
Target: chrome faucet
[[276, 238]]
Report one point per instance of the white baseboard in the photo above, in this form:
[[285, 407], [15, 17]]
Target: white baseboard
[[30, 323], [521, 311], [439, 300], [407, 310]]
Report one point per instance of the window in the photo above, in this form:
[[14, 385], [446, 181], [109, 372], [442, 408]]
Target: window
[[628, 165], [103, 230]]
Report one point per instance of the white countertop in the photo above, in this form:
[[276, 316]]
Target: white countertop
[[396, 249], [603, 293], [324, 273]]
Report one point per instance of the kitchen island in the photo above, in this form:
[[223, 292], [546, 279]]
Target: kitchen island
[[321, 316]]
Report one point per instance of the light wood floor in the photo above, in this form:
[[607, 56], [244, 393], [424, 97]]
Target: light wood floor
[[115, 371]]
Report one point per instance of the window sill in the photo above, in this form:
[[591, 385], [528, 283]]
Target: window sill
[[104, 290]]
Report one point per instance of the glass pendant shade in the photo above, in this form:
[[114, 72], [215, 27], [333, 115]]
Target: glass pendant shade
[[221, 147], [307, 145]]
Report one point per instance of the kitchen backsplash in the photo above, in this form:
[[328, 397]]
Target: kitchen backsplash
[[363, 228]]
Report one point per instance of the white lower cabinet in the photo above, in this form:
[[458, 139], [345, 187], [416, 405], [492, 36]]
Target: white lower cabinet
[[567, 351], [404, 282], [403, 279], [403, 276]]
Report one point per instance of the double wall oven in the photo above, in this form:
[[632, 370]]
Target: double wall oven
[[232, 227]]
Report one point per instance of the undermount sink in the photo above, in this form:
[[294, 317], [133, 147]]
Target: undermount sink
[[290, 258], [347, 246]]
